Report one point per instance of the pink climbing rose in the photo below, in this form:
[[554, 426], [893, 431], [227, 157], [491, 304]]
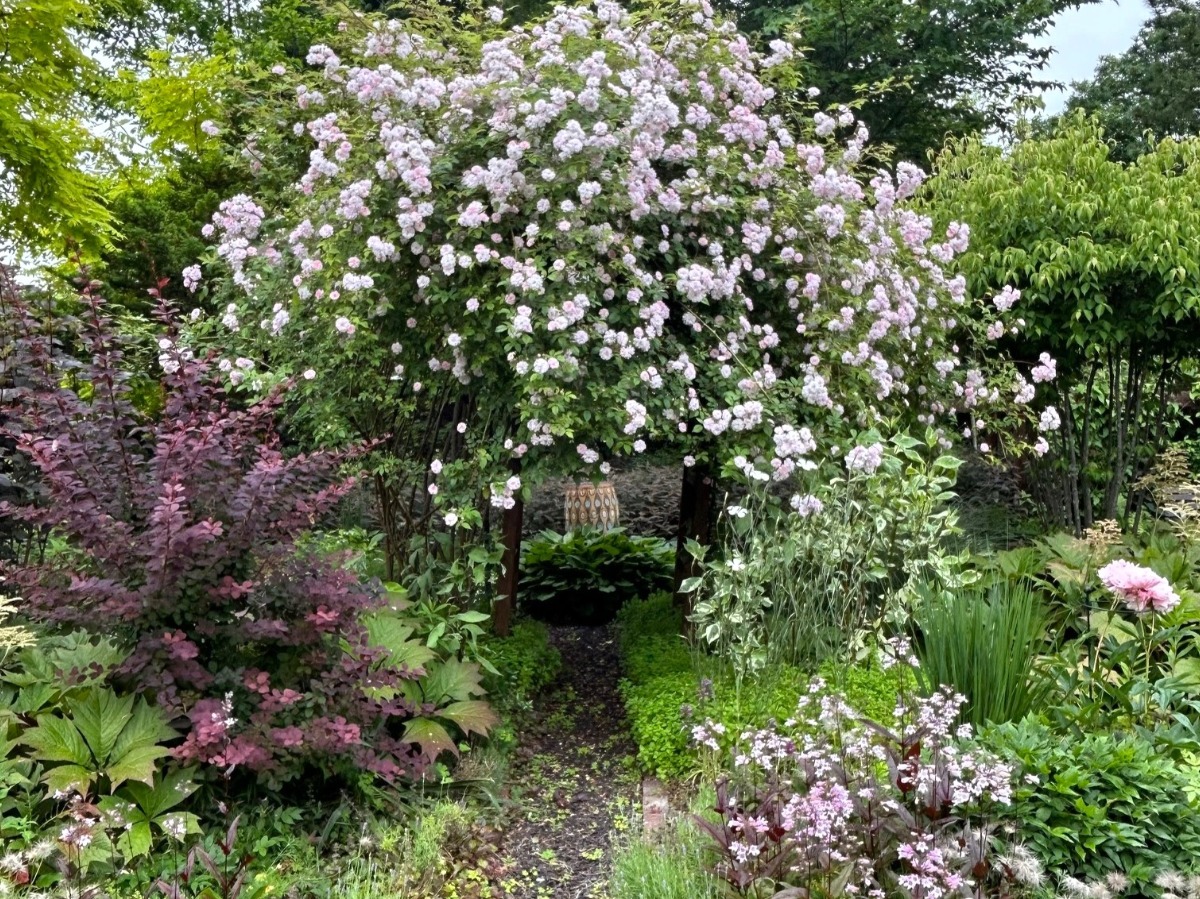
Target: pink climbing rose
[[1141, 589]]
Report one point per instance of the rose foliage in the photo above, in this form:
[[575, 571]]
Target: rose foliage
[[606, 230]]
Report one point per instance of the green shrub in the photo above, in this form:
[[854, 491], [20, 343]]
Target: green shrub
[[663, 697], [869, 690], [985, 643], [1092, 804], [526, 663], [585, 576], [656, 722], [657, 654]]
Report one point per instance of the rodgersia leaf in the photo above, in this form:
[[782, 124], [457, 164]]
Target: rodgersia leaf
[[471, 716]]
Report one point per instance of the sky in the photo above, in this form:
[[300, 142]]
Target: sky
[[1081, 36]]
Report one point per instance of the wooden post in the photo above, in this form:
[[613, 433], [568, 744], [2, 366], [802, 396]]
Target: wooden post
[[695, 523], [505, 606]]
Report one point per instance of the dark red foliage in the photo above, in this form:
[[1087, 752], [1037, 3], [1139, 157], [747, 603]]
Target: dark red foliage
[[182, 541]]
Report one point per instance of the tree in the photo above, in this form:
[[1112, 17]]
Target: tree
[[1154, 86], [1107, 259], [47, 199], [194, 144], [953, 67], [571, 241]]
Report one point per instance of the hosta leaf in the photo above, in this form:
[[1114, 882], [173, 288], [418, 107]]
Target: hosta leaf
[[472, 716], [432, 737], [56, 740], [100, 716]]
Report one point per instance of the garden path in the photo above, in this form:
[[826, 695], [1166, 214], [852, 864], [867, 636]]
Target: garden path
[[573, 783]]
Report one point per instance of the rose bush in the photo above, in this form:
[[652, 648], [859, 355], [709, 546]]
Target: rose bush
[[571, 240]]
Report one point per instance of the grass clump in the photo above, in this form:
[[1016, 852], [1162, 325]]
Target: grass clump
[[670, 865], [985, 643]]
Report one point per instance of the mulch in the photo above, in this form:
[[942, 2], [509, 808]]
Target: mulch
[[572, 787]]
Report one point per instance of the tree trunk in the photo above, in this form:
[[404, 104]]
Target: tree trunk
[[504, 607], [1084, 486], [695, 523]]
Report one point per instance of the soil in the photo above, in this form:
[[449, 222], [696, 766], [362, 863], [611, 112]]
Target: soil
[[573, 784]]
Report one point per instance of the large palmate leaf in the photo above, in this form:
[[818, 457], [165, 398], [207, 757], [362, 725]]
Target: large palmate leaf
[[65, 778], [165, 793], [452, 681], [139, 746], [144, 808], [471, 716], [388, 631], [431, 736], [104, 735], [100, 716], [57, 740]]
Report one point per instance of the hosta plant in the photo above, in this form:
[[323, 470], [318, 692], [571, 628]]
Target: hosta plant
[[586, 575], [183, 535]]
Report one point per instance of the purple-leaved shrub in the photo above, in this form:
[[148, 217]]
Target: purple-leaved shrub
[[182, 536]]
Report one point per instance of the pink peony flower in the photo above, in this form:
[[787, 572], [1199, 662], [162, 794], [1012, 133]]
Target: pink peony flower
[[1141, 589]]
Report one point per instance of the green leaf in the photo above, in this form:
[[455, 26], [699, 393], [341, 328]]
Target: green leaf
[[56, 740], [431, 736], [64, 778], [387, 631], [471, 716], [138, 763], [100, 716], [136, 840], [166, 793], [453, 680]]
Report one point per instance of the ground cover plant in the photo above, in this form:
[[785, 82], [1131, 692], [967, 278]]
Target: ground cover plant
[[669, 689]]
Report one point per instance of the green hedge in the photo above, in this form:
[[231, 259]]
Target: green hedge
[[662, 686]]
